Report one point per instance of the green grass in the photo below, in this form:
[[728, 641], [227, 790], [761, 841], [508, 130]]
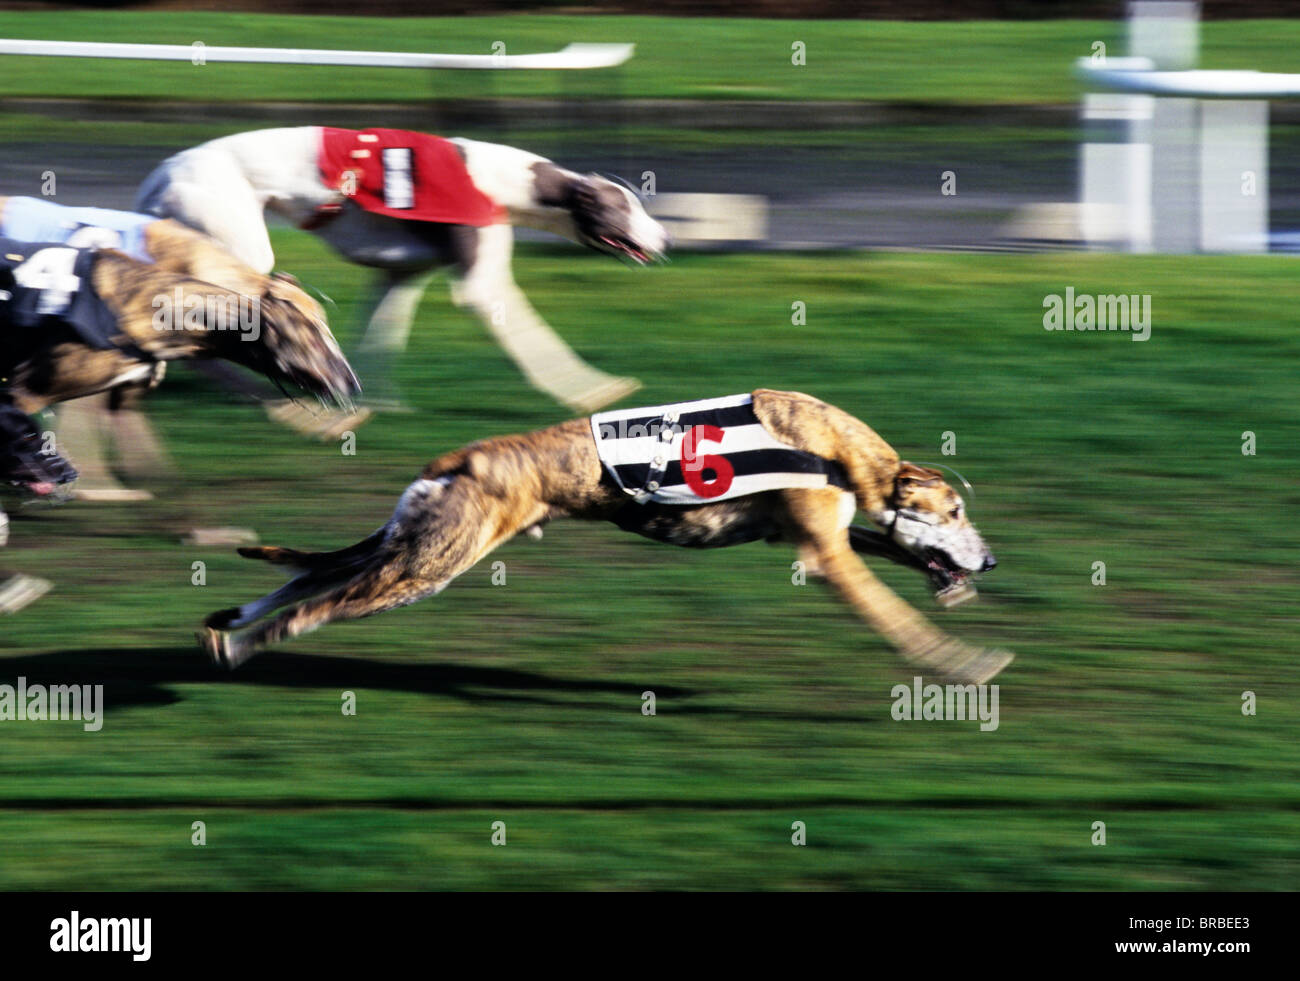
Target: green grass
[[521, 702], [692, 58]]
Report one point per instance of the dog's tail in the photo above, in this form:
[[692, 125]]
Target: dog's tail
[[317, 572], [340, 559]]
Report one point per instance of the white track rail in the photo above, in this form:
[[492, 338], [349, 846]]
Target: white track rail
[[571, 57], [1190, 84]]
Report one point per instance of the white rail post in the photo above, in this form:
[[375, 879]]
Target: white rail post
[[1234, 175], [1165, 31], [1115, 176]]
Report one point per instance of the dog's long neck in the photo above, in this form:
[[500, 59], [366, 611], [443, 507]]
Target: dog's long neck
[[533, 190], [871, 464]]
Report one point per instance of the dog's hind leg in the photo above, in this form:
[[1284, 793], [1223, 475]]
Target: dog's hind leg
[[362, 597], [207, 191], [294, 591], [440, 529], [386, 585]]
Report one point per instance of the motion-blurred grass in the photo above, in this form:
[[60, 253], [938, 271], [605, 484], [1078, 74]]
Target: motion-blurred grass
[[522, 702], [677, 57]]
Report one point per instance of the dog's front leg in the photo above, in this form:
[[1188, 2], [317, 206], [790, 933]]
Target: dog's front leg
[[817, 528], [388, 327], [918, 641], [488, 288]]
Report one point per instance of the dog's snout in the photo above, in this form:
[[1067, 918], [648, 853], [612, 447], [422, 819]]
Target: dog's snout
[[989, 563]]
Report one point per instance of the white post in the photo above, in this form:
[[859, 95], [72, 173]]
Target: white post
[[1234, 175], [1115, 179], [1166, 31]]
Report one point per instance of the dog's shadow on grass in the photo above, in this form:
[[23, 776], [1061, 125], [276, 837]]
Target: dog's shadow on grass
[[139, 676], [142, 676]]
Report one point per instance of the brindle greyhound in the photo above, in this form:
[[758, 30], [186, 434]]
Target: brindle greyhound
[[466, 503], [175, 248], [74, 322], [223, 187], [52, 361]]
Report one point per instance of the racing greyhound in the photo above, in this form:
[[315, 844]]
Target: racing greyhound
[[74, 322], [408, 203], [173, 247], [787, 467]]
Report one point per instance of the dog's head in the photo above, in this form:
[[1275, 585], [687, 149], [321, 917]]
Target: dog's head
[[294, 344], [928, 518], [604, 215], [22, 462]]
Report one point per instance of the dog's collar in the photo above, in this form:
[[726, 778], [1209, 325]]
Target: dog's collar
[[889, 519]]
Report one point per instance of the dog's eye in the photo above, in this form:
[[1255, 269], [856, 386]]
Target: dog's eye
[[954, 513]]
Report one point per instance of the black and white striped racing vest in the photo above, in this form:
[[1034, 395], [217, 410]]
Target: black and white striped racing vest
[[692, 453]]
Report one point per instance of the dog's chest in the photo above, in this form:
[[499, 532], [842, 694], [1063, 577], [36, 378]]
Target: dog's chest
[[708, 451], [733, 522]]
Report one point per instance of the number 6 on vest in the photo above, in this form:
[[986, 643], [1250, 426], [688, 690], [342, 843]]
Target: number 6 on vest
[[694, 465]]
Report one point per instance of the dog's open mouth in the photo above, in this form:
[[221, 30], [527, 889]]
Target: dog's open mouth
[[943, 572], [41, 488], [43, 480], [620, 246]]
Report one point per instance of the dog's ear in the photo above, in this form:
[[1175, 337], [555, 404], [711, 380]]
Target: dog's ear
[[910, 475]]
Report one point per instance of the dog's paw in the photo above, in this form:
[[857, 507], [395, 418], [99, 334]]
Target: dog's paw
[[214, 643], [955, 662], [222, 619], [606, 391], [226, 649], [981, 668], [20, 591]]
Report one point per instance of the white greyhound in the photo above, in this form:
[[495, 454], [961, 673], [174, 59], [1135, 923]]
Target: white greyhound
[[367, 193]]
